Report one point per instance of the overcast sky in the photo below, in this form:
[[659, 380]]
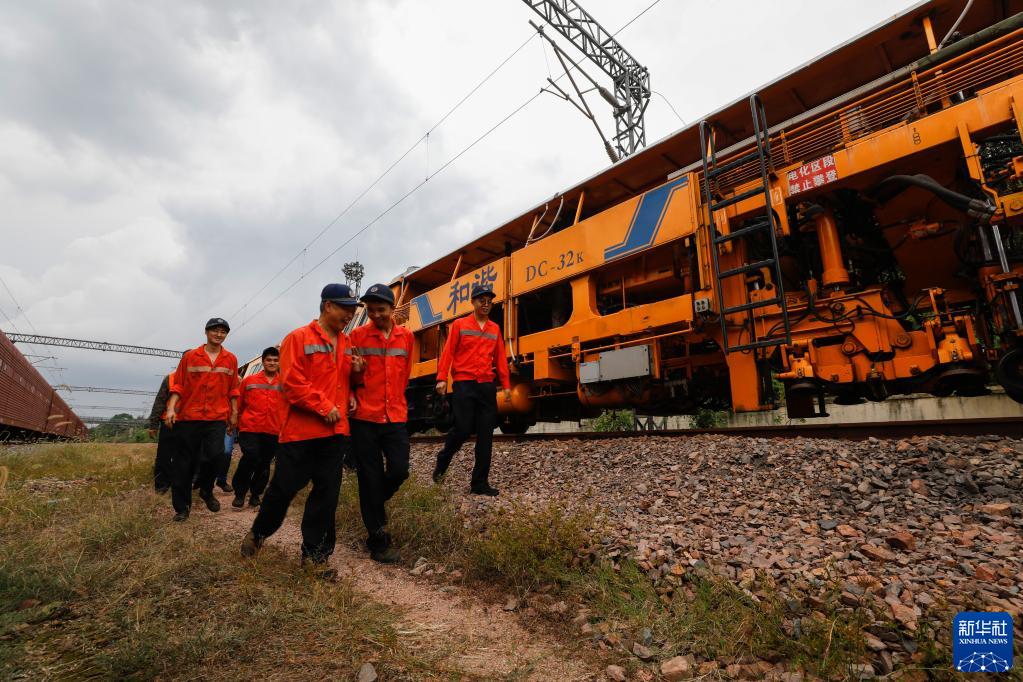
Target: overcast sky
[[160, 161]]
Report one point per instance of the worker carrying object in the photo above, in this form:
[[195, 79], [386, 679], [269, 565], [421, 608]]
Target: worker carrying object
[[473, 352], [259, 422], [316, 363], [203, 404], [379, 435], [162, 471]]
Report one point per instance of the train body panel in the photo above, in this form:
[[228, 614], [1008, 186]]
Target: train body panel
[[29, 406], [864, 241]]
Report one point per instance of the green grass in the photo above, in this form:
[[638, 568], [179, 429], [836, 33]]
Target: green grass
[[95, 581]]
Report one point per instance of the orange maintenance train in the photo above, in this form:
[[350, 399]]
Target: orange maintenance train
[[851, 229]]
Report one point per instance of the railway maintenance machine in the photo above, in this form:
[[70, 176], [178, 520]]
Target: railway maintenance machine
[[851, 229]]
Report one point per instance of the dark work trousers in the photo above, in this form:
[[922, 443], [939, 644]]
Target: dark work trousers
[[225, 462], [163, 471], [381, 463], [198, 444], [475, 410], [254, 466], [298, 462]]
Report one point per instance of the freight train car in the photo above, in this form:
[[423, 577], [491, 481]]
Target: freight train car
[[851, 229], [29, 407]]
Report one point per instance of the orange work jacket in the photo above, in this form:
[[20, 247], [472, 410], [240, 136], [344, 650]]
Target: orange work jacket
[[204, 388], [259, 404], [380, 388], [473, 354], [314, 378]]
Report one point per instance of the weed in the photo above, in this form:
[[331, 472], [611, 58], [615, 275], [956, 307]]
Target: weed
[[709, 419], [525, 547], [613, 420]]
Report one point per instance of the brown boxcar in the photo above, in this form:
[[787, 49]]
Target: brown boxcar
[[29, 406]]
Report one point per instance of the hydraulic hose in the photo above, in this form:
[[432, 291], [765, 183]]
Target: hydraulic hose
[[894, 185]]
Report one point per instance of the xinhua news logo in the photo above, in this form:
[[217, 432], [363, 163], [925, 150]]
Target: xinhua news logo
[[982, 642]]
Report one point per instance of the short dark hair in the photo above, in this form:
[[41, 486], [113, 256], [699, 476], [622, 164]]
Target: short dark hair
[[270, 351]]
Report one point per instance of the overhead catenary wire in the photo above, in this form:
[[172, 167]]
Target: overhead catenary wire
[[58, 370], [390, 208], [670, 106], [440, 169], [425, 137]]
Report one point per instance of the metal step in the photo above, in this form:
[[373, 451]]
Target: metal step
[[764, 343], [753, 305], [738, 234], [749, 267], [731, 165], [742, 196]]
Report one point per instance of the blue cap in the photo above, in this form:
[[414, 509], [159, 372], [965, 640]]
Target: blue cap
[[338, 293], [218, 322], [482, 290], [379, 292]]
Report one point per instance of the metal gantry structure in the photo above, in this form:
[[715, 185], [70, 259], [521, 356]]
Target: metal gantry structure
[[631, 79], [92, 345], [99, 389]]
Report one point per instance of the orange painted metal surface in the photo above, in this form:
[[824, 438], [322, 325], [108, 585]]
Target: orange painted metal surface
[[893, 283]]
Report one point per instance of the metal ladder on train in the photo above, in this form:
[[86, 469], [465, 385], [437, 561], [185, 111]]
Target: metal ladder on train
[[712, 170]]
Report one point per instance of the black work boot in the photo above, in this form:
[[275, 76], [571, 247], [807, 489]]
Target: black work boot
[[181, 516], [385, 556], [238, 502], [225, 486], [255, 501], [211, 502], [251, 545], [484, 489]]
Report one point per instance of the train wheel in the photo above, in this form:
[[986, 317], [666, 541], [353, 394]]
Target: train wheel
[[514, 426], [1009, 372]]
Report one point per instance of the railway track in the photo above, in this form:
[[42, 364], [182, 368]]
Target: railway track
[[1011, 427]]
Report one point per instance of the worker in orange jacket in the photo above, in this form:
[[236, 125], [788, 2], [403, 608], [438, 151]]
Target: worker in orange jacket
[[473, 353], [379, 434], [203, 404], [163, 471], [259, 422], [316, 363]]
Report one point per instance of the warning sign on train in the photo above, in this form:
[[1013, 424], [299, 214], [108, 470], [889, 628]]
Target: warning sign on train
[[814, 174]]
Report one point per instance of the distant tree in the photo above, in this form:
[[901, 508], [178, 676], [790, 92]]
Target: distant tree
[[122, 428]]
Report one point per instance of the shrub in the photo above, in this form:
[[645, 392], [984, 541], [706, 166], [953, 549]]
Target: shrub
[[709, 419], [613, 420]]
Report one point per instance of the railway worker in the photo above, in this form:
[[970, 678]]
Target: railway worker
[[473, 353], [259, 407], [162, 471], [203, 404], [380, 441], [315, 369]]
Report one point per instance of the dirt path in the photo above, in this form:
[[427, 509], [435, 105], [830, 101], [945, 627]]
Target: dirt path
[[475, 640]]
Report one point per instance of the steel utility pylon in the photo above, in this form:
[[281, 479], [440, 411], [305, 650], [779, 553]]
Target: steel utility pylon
[[631, 80]]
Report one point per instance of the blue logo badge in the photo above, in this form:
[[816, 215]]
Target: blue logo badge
[[982, 642]]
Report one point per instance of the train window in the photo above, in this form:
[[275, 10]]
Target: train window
[[545, 309]]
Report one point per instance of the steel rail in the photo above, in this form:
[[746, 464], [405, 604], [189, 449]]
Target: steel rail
[[1011, 427]]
